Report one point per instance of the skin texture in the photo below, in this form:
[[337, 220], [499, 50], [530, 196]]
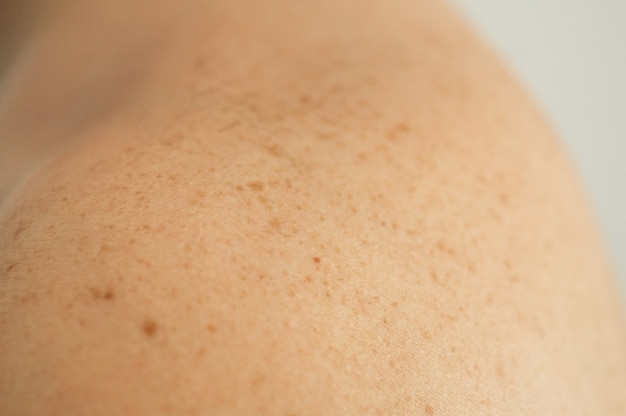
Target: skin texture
[[291, 208]]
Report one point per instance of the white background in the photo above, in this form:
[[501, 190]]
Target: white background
[[571, 55]]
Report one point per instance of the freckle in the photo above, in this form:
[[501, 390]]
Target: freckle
[[199, 63], [149, 328], [258, 379], [11, 267], [201, 352], [427, 336], [229, 126], [262, 276], [429, 410], [275, 223], [211, 328], [442, 247], [109, 295], [392, 364], [21, 226], [394, 304], [327, 294], [256, 186], [500, 372], [308, 279], [507, 264], [403, 127], [316, 260], [434, 277]]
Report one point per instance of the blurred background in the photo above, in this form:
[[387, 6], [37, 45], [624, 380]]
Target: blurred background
[[571, 55]]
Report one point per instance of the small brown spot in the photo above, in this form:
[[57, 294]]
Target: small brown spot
[[273, 149], [500, 372], [149, 328], [257, 379], [239, 188], [275, 223], [427, 336], [99, 294], [316, 260], [21, 226], [507, 264], [229, 126], [429, 410], [201, 352], [403, 127], [11, 267], [443, 247], [308, 279], [199, 63], [256, 186], [211, 328]]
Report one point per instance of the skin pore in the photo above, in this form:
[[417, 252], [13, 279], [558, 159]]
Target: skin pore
[[274, 207]]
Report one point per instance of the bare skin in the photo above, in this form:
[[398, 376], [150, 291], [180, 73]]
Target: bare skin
[[290, 208]]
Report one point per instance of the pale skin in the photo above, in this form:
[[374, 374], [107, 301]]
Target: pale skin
[[290, 208]]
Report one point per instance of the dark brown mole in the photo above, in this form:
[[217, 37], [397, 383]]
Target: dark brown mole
[[429, 410], [256, 186], [149, 328], [316, 260]]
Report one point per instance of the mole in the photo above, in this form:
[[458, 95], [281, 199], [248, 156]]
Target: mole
[[149, 328]]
